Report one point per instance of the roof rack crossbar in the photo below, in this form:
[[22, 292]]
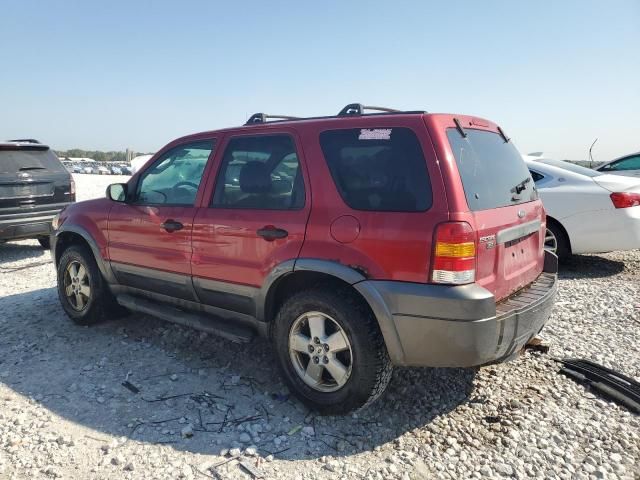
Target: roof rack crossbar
[[263, 117], [358, 109]]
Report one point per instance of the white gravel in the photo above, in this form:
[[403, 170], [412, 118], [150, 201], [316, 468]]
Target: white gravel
[[204, 401]]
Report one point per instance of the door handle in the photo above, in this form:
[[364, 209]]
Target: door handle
[[172, 226], [271, 233]]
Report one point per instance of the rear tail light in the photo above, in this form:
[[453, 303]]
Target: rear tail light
[[454, 254], [625, 199], [72, 188]]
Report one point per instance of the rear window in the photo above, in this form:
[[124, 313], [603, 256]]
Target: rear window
[[14, 161], [492, 171], [381, 169]]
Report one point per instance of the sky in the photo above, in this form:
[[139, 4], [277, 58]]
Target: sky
[[137, 74]]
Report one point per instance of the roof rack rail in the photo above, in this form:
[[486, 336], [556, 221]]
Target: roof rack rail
[[358, 109], [24, 140], [263, 117]]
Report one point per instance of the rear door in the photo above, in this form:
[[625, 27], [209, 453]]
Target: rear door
[[503, 207], [150, 235], [255, 219]]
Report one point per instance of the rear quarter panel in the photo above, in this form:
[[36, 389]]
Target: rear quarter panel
[[388, 245]]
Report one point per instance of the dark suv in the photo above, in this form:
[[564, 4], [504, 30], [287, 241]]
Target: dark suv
[[354, 242], [34, 187]]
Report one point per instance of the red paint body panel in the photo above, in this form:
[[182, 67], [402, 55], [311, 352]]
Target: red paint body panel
[[92, 216], [137, 238]]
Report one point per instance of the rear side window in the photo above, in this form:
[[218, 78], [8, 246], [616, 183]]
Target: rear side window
[[380, 169], [492, 171], [14, 161], [260, 173]]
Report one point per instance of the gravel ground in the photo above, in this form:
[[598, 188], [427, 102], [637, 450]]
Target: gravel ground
[[205, 406]]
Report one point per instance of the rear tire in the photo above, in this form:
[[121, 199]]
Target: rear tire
[[556, 241], [350, 353], [83, 293], [44, 242]]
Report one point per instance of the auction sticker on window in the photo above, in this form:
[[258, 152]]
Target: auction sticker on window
[[375, 134]]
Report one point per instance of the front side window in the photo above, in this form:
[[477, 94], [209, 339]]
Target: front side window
[[174, 178], [378, 169], [260, 172], [630, 163]]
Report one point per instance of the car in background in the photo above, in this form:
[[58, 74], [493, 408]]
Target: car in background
[[102, 170], [587, 211], [34, 187], [629, 165], [89, 169], [126, 170], [115, 170]]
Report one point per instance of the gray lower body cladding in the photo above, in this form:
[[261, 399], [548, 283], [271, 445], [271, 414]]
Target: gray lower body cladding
[[443, 326]]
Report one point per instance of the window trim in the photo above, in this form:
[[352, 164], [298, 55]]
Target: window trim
[[220, 167], [369, 127], [161, 158]]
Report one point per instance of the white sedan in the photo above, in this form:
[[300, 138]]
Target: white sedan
[[587, 211]]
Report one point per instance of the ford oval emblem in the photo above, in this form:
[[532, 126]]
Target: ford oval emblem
[[521, 213]]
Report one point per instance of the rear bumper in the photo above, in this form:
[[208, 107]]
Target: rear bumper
[[443, 326], [28, 223]]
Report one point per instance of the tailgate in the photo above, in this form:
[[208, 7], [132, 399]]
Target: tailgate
[[510, 247], [504, 210]]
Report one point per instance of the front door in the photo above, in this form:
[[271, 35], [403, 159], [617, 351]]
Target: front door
[[255, 219], [150, 235]]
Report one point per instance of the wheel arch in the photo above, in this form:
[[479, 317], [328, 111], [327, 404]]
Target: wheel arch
[[76, 235], [306, 273]]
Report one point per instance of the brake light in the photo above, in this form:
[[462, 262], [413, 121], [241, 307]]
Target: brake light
[[454, 254], [625, 199], [72, 188]]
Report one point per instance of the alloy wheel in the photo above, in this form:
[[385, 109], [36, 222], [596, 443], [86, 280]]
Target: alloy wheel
[[550, 241], [320, 352], [76, 285]]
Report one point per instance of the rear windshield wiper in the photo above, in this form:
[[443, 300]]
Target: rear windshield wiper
[[31, 168], [520, 187]]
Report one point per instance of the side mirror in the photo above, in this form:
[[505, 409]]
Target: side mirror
[[117, 192]]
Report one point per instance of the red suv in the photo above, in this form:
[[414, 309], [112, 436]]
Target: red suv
[[354, 242]]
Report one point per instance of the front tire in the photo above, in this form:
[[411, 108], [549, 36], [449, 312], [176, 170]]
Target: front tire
[[83, 293], [330, 350]]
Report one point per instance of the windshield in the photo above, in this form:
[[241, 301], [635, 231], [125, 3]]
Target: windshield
[[572, 167], [13, 161], [492, 171]]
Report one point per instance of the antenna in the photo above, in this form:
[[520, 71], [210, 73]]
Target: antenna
[[591, 156]]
